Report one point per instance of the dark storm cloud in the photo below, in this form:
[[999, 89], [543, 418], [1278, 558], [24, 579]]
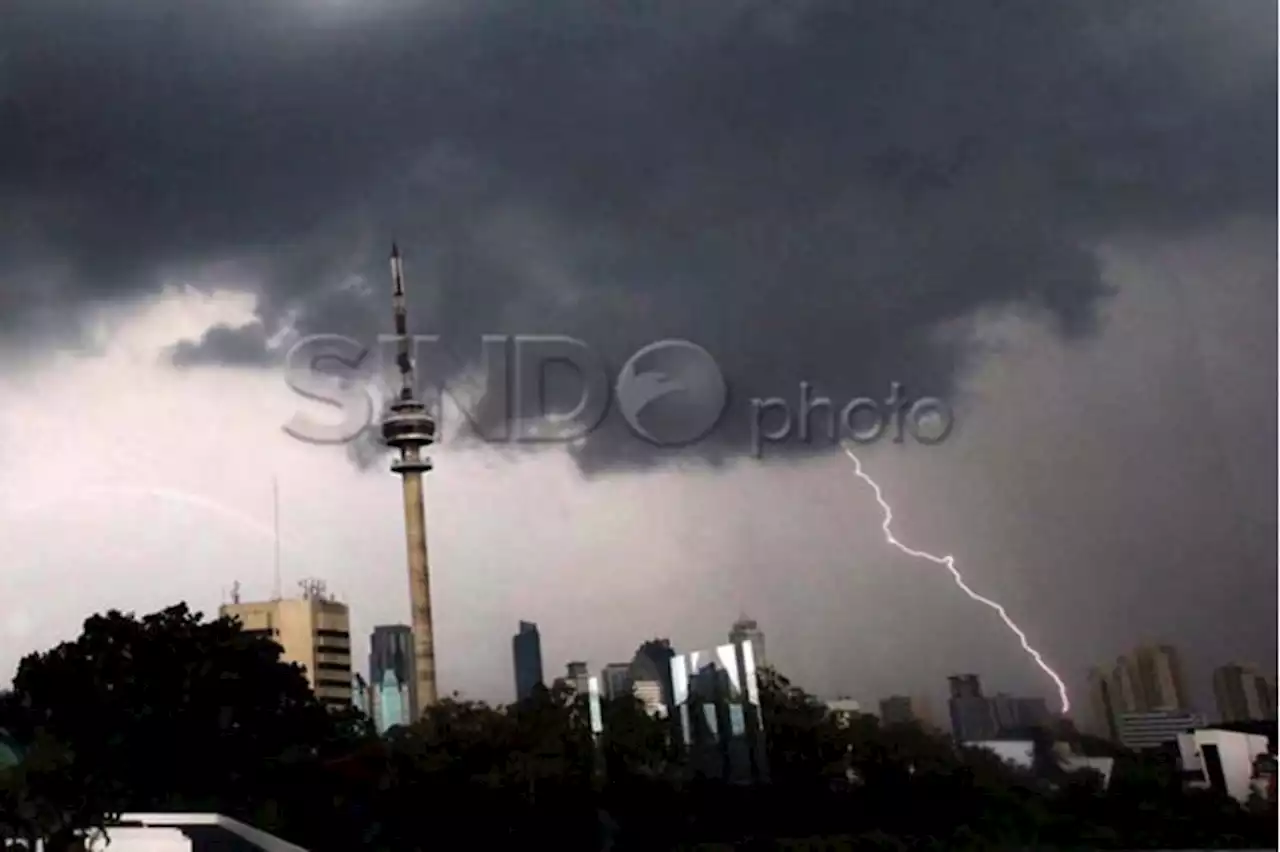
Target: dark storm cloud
[[223, 344], [809, 190]]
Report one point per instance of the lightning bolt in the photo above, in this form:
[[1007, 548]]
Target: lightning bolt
[[949, 562]]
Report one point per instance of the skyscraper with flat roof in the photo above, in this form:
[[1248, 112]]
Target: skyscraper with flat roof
[[973, 716], [391, 650], [1161, 684], [1243, 693], [526, 655], [1149, 679], [964, 686], [615, 680], [715, 708], [746, 629], [977, 718], [1123, 687], [650, 675], [577, 676], [1018, 715]]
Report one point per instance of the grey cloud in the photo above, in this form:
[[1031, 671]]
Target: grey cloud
[[230, 346], [810, 192]]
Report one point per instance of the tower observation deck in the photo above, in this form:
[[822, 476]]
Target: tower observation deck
[[409, 429]]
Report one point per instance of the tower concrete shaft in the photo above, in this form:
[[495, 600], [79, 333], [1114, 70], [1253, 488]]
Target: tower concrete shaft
[[408, 428], [415, 526]]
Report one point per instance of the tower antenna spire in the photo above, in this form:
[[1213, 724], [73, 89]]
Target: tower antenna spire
[[275, 524], [404, 358]]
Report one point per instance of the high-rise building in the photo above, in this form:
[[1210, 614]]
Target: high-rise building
[[964, 686], [314, 631], [746, 629], [1102, 708], [715, 705], [577, 676], [1123, 688], [1243, 693], [1161, 684], [391, 650], [906, 709], [976, 717], [526, 653], [650, 675], [1016, 715], [1267, 696], [615, 679], [390, 702], [1149, 679], [972, 714]]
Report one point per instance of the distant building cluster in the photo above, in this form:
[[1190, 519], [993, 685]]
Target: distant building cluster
[[711, 697], [979, 717], [314, 632], [1141, 701], [647, 676]]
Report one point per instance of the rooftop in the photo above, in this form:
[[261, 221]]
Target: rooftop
[[197, 832]]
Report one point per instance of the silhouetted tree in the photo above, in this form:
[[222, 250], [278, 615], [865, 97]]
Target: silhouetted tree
[[170, 712]]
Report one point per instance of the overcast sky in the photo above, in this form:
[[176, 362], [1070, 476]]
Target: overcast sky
[[1060, 217]]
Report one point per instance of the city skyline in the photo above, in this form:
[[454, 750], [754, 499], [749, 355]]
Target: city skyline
[[1087, 278], [1195, 691]]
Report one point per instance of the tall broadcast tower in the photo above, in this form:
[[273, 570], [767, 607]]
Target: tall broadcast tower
[[409, 428]]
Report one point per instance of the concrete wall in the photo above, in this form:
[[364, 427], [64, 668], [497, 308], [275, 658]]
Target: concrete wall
[[1235, 750], [1021, 753], [142, 840]]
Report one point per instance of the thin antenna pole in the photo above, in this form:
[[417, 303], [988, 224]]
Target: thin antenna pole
[[275, 507]]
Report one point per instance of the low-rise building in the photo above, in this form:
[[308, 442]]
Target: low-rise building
[[1231, 759], [313, 631], [1155, 728], [185, 832], [843, 709]]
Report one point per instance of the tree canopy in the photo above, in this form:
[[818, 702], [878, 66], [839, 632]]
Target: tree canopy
[[170, 711]]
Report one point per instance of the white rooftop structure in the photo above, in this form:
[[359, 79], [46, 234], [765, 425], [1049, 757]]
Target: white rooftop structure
[[186, 832]]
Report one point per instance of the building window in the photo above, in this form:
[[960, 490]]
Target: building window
[[333, 667], [335, 683], [334, 650], [333, 634]]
